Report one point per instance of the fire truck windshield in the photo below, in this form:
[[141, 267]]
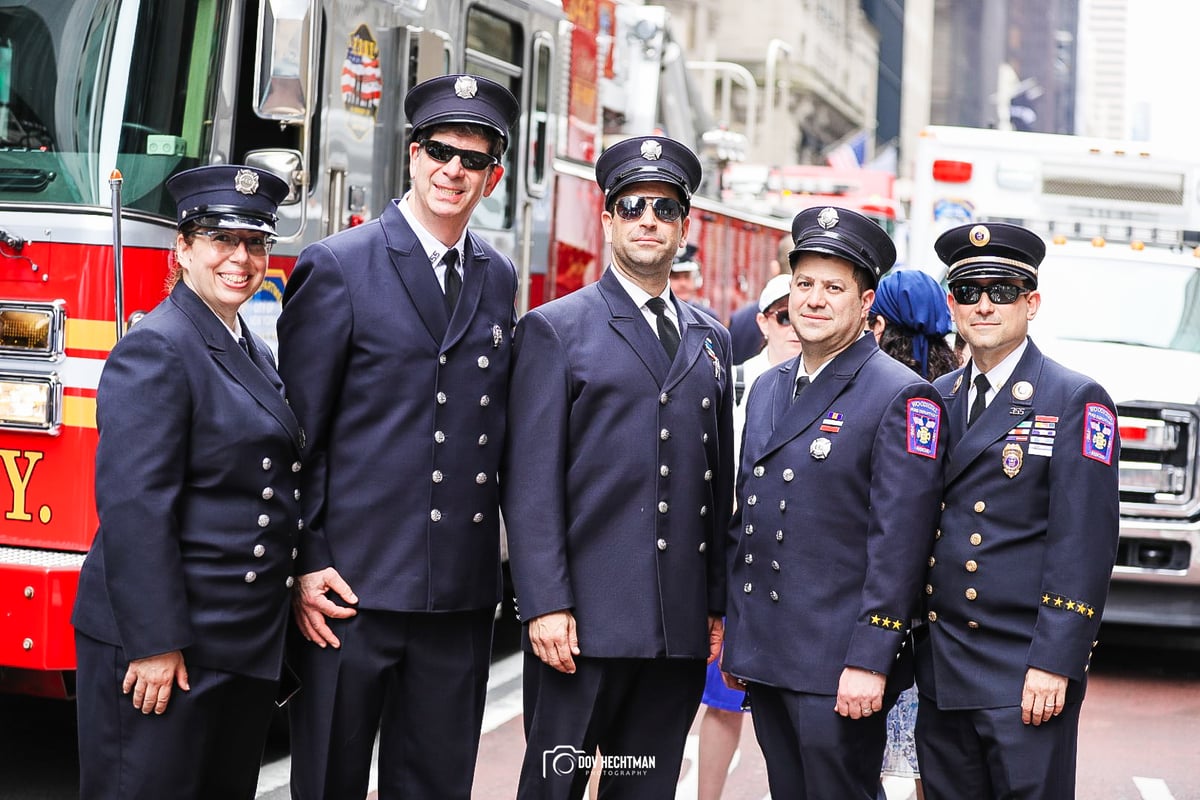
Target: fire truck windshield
[[1120, 300], [85, 87]]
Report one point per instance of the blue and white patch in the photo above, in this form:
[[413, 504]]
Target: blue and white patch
[[1099, 429], [924, 418]]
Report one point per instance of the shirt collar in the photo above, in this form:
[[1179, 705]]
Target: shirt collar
[[639, 296], [434, 249], [998, 375]]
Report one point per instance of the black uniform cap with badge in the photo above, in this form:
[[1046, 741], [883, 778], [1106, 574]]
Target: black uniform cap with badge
[[227, 196], [991, 250], [846, 234], [642, 159], [461, 100]]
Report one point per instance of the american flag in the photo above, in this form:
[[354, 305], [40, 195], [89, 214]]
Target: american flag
[[850, 153]]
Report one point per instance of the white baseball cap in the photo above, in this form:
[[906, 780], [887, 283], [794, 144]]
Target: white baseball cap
[[778, 287]]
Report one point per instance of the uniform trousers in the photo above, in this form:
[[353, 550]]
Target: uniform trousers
[[207, 745], [418, 679], [814, 753], [989, 753], [632, 709]]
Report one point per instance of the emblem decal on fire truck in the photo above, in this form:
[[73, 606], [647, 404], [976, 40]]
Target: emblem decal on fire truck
[[651, 150], [246, 181], [362, 80], [465, 87]]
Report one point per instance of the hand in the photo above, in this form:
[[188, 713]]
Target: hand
[[151, 678], [1043, 697], [716, 635], [554, 640], [733, 682], [310, 606], [860, 693]]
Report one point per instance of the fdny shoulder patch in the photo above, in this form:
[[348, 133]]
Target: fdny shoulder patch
[[1099, 425], [924, 417]]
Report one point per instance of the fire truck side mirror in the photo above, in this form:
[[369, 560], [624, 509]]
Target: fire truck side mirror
[[281, 75], [288, 165]]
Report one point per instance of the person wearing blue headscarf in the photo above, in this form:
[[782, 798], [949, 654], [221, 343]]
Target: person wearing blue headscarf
[[910, 320]]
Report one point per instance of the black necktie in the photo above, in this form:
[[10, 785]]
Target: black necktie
[[801, 382], [453, 280], [667, 333], [245, 345], [981, 389]]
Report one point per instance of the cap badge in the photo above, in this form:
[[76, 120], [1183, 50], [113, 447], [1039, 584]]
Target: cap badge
[[828, 218], [1022, 390], [651, 150], [980, 236], [246, 181], [465, 87]]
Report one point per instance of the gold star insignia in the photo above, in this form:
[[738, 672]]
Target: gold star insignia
[[1091, 612], [1045, 599], [1058, 601], [1070, 605], [896, 624]]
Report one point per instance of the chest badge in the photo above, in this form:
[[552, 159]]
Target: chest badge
[[820, 448], [1022, 390], [497, 337], [1012, 457]]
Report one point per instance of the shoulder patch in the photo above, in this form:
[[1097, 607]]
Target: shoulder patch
[[1099, 427], [924, 417]]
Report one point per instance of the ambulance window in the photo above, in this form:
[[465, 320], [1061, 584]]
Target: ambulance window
[[494, 47], [539, 116]]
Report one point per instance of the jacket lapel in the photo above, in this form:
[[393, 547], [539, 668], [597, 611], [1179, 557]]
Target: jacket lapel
[[1002, 415], [696, 332], [819, 396], [265, 387], [410, 262], [629, 323]]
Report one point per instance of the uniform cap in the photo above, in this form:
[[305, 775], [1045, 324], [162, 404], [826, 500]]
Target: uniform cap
[[846, 234], [776, 289], [991, 250], [227, 196], [469, 99], [685, 260], [648, 158]]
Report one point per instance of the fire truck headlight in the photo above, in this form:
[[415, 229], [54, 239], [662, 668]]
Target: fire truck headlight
[[27, 329], [27, 403]]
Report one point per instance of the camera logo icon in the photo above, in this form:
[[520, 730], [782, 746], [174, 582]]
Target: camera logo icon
[[563, 760]]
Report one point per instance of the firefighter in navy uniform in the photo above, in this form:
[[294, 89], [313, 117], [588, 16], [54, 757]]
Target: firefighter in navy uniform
[[1028, 535], [397, 336], [183, 599], [617, 490], [838, 489]]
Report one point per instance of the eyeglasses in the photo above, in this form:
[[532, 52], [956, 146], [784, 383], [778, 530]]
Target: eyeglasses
[[226, 244], [782, 317], [631, 207], [471, 159], [1002, 294]]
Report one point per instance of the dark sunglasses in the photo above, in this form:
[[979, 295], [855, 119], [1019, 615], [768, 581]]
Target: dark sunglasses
[[782, 317], [631, 207], [1002, 294], [471, 159]]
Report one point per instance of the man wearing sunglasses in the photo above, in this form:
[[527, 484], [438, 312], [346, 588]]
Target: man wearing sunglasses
[[1028, 536], [838, 489], [617, 488], [397, 337]]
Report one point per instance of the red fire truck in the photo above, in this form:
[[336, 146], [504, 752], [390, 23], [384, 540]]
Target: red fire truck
[[312, 90]]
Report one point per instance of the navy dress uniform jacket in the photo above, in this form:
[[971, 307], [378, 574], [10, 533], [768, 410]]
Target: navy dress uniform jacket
[[1020, 570], [618, 478], [405, 415], [197, 483], [837, 505]]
